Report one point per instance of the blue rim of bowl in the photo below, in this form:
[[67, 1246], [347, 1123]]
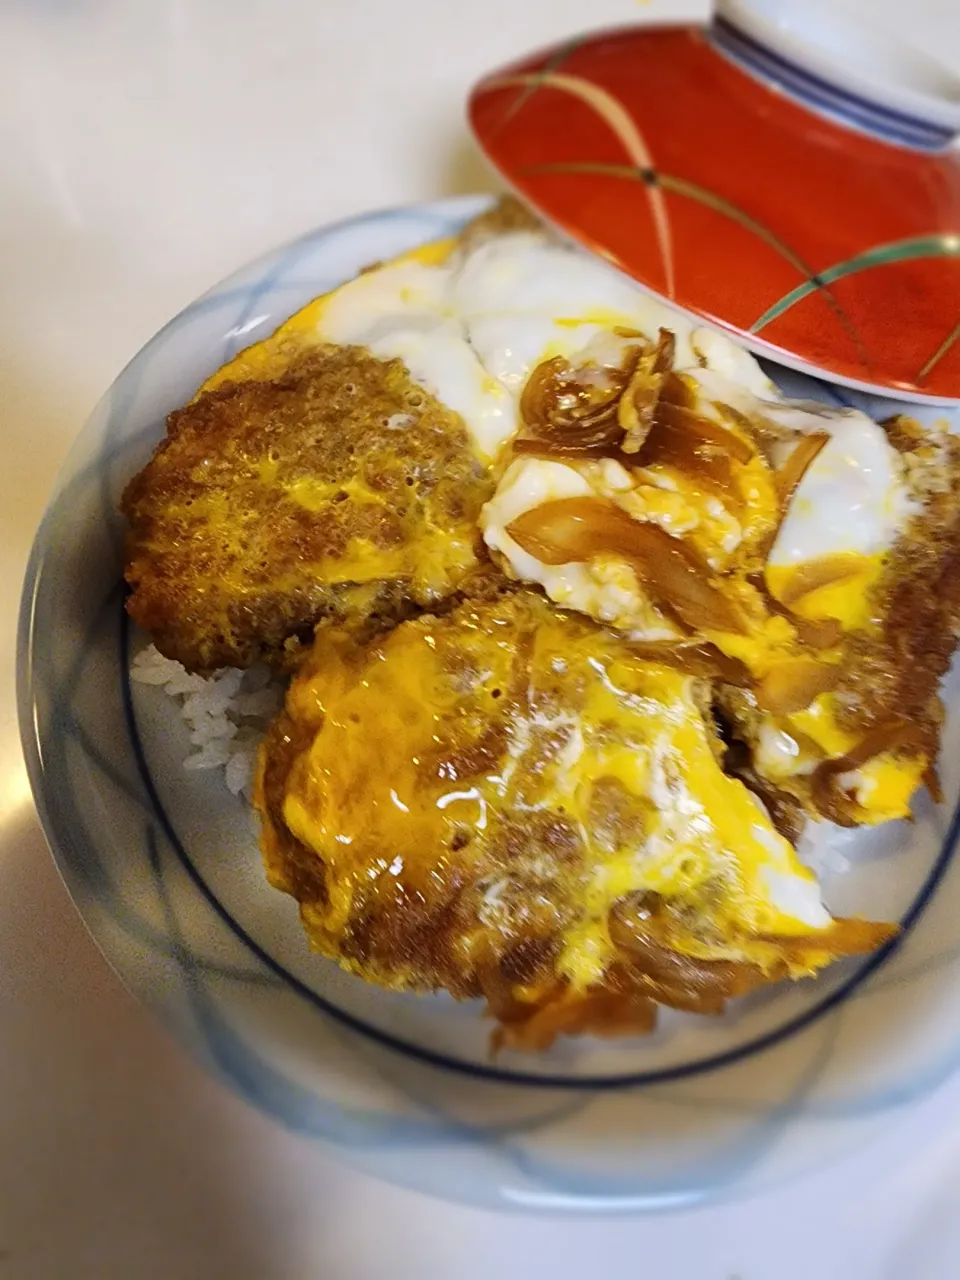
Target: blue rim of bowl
[[60, 838]]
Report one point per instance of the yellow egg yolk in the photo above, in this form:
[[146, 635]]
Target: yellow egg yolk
[[269, 358], [590, 722], [845, 581]]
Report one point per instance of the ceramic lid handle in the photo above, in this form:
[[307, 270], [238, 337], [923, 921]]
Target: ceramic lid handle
[[838, 64]]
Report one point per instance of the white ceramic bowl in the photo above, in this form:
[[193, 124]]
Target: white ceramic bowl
[[164, 868]]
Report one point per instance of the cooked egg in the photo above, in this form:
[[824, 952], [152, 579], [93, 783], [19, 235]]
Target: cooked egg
[[471, 325], [829, 548], [883, 788], [846, 513], [793, 746], [472, 320], [525, 299], [605, 587], [528, 744]]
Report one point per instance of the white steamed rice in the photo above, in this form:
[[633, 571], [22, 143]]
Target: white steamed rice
[[226, 713]]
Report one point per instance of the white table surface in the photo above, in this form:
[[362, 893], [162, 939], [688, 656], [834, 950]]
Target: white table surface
[[146, 149]]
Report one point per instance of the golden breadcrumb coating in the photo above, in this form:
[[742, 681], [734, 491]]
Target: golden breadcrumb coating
[[339, 490], [472, 803], [887, 696]]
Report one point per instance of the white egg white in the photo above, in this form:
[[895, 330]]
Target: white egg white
[[852, 498], [472, 328]]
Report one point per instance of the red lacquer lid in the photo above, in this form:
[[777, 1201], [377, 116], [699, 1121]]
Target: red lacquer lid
[[737, 171]]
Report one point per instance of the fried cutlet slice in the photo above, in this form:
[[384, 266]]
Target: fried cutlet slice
[[805, 557], [336, 491], [884, 710], [508, 802], [507, 215]]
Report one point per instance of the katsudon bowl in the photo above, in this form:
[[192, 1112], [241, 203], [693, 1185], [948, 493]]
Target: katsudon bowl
[[164, 867]]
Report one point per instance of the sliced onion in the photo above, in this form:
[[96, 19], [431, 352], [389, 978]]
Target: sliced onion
[[647, 942], [679, 390], [572, 530], [892, 736], [586, 440], [680, 980], [558, 397], [704, 432], [694, 658], [788, 476], [539, 392], [792, 684], [931, 780], [682, 392], [710, 467], [819, 633], [558, 446], [821, 572], [845, 936], [638, 404], [597, 1012]]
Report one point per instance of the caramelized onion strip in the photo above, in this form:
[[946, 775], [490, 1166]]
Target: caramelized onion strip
[[679, 390], [793, 683], [704, 984], [844, 936], [824, 571], [636, 412], [704, 432], [597, 1012], [820, 633], [708, 467], [931, 780], [648, 947], [572, 530], [585, 440], [558, 398], [788, 476], [696, 659], [892, 736]]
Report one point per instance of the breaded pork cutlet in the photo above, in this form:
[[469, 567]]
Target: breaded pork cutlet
[[510, 802], [314, 479], [805, 556], [886, 699], [337, 490]]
